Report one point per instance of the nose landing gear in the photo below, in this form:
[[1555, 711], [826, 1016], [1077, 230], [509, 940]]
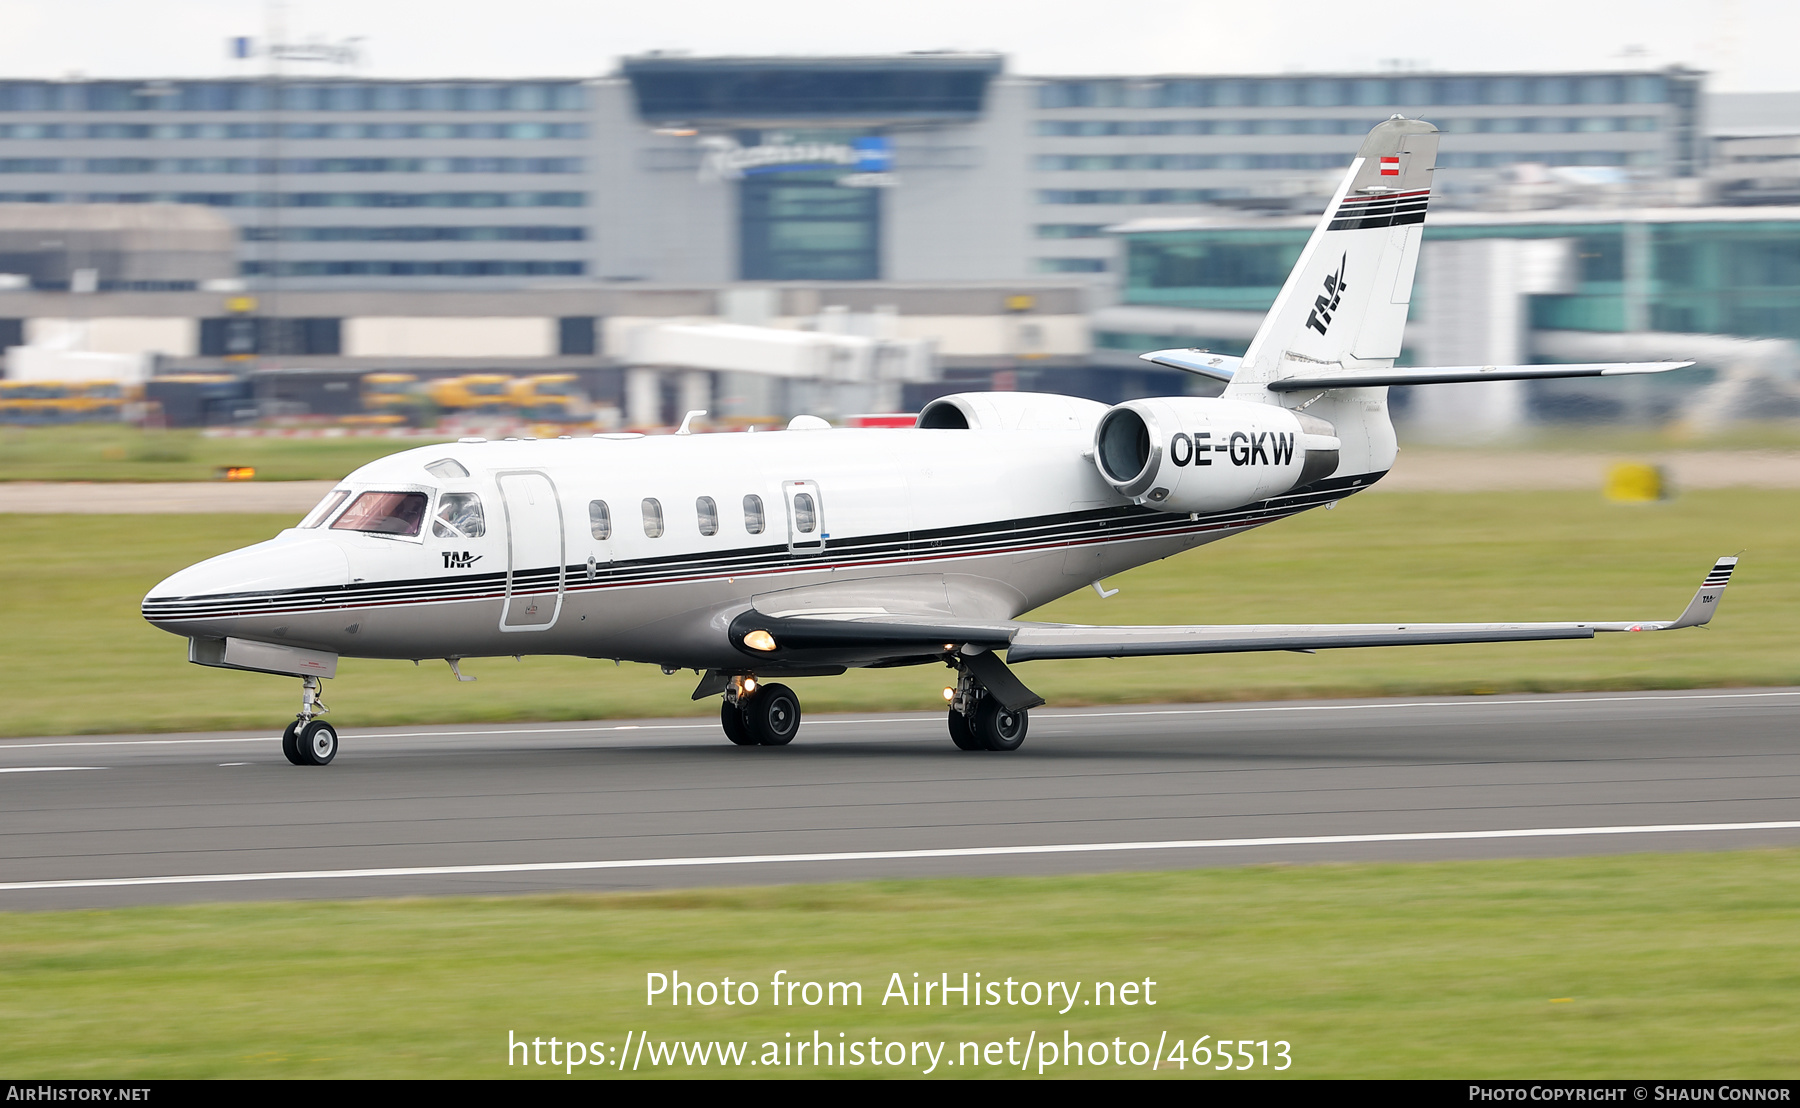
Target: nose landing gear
[[308, 741], [755, 714]]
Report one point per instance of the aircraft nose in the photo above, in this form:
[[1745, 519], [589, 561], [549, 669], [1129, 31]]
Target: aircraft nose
[[246, 582]]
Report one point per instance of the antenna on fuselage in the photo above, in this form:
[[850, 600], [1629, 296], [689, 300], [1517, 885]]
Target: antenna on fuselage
[[687, 420]]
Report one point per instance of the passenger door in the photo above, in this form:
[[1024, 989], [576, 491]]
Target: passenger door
[[534, 552]]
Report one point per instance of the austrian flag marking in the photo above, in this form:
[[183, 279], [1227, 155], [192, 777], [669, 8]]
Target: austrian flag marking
[[1390, 167]]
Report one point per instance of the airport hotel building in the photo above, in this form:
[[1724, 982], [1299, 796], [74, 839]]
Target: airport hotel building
[[1032, 232], [678, 170]]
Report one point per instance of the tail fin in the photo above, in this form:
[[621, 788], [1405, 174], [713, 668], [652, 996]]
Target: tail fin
[[1345, 302]]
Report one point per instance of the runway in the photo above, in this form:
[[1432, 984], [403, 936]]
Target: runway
[[132, 819]]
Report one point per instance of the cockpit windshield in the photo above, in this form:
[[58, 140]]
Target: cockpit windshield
[[385, 513], [326, 506]]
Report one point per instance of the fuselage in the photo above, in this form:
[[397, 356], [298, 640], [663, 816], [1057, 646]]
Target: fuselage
[[644, 548]]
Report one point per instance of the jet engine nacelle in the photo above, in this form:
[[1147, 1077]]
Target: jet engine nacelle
[[1193, 454]]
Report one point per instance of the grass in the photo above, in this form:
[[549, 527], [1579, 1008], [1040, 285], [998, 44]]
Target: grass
[[79, 658], [1640, 966], [117, 452], [1605, 438]]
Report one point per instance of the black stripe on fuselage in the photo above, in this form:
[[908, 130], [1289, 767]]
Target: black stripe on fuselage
[[1099, 526]]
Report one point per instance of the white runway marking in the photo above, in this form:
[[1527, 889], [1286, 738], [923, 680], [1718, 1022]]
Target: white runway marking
[[898, 855], [45, 769], [476, 731], [4, 746]]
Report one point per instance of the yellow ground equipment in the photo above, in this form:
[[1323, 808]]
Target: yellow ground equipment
[[549, 397], [478, 392], [64, 401], [389, 392], [101, 401], [35, 401]]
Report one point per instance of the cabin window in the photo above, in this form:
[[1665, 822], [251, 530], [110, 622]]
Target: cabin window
[[599, 519], [708, 511], [446, 468], [806, 517], [653, 518], [385, 513], [753, 514], [326, 506], [459, 517]]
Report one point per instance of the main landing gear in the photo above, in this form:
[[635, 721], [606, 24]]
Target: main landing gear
[[309, 741], [989, 707], [755, 714]]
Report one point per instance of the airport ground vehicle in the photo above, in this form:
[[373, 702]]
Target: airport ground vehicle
[[754, 557], [549, 398], [488, 393], [30, 401], [389, 392], [64, 401]]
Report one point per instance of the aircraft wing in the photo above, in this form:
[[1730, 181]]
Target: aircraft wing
[[870, 637], [1040, 642]]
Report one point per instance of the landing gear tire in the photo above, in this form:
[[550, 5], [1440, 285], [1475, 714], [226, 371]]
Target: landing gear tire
[[290, 743], [731, 717], [317, 742], [772, 715], [995, 727], [960, 734]]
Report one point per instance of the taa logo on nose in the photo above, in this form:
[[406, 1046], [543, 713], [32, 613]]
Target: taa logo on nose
[[453, 560]]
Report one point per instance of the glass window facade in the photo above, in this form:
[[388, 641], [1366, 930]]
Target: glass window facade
[[298, 96], [1729, 278], [1421, 91], [698, 89], [807, 227]]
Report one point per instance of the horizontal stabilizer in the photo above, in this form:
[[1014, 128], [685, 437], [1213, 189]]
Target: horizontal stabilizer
[[1201, 363], [1439, 375]]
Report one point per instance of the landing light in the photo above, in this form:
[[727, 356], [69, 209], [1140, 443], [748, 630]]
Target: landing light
[[749, 685], [949, 693], [759, 640]]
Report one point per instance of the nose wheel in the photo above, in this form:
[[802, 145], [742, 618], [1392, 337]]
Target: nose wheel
[[314, 743], [309, 741]]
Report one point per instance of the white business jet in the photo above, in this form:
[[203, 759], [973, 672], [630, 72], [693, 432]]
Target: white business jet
[[806, 552]]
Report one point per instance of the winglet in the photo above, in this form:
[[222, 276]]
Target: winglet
[[1706, 601]]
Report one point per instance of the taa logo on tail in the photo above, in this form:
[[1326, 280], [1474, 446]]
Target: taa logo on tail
[[1320, 316]]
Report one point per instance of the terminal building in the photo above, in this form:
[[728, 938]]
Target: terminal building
[[942, 223], [675, 169]]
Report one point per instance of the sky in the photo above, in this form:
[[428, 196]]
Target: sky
[[1747, 45]]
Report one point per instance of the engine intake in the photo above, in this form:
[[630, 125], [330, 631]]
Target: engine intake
[[1194, 454]]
